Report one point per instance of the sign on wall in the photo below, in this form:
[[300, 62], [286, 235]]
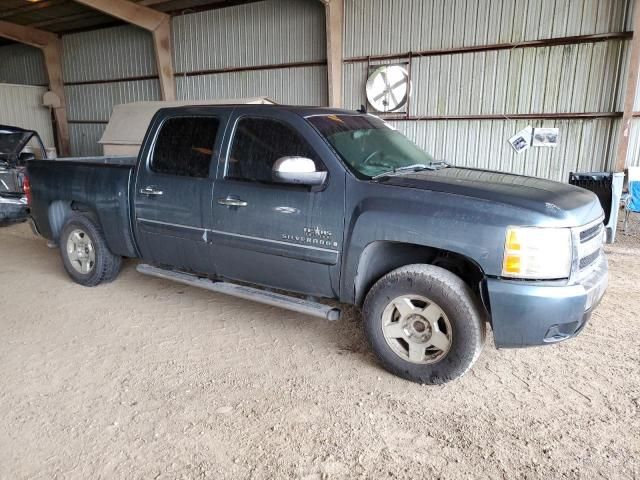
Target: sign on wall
[[534, 137]]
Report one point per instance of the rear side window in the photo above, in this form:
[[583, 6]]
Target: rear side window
[[184, 146], [258, 143]]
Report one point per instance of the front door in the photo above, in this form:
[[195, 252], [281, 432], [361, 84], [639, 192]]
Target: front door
[[274, 234], [173, 191]]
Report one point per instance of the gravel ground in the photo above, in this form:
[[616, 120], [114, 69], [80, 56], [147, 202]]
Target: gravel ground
[[144, 378]]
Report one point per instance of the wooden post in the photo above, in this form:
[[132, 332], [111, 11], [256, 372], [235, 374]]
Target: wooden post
[[630, 92], [164, 59], [334, 14], [51, 47], [52, 59], [158, 23]]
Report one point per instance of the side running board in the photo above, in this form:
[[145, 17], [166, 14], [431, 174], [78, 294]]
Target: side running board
[[299, 305]]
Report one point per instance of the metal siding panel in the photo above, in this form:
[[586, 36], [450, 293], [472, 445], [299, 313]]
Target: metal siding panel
[[96, 101], [249, 35], [22, 64], [354, 80], [84, 139], [575, 78], [22, 107], [106, 54], [276, 84], [483, 144], [375, 27]]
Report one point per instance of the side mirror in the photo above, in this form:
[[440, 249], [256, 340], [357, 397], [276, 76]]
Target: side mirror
[[297, 170]]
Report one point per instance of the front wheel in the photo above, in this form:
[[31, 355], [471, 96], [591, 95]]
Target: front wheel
[[424, 324], [85, 254]]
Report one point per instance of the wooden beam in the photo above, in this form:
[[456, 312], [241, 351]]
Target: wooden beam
[[53, 61], [51, 47], [334, 15], [158, 23], [28, 35], [631, 90], [143, 17], [164, 59]]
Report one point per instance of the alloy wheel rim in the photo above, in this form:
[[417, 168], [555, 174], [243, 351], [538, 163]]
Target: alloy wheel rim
[[81, 252], [417, 329]]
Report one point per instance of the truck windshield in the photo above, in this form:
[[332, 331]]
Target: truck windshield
[[370, 146]]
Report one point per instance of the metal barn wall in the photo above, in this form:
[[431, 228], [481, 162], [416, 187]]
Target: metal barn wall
[[273, 48], [102, 68], [376, 27], [22, 106], [22, 64], [475, 64]]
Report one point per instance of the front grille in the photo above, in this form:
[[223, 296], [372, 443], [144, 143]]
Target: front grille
[[589, 259], [589, 245], [590, 233]]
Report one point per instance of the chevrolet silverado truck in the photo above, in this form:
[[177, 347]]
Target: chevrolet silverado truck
[[294, 206]]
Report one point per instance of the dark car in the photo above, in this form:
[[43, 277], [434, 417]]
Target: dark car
[[17, 145], [256, 200]]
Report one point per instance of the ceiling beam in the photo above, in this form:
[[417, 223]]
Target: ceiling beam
[[334, 24], [30, 36], [158, 23], [29, 7], [51, 47], [127, 11]]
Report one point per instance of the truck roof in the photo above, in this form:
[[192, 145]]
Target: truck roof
[[302, 110], [129, 122]]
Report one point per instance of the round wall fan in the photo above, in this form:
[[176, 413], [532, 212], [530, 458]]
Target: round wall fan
[[388, 88]]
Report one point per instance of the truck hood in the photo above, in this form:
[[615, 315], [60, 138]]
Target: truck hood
[[567, 204]]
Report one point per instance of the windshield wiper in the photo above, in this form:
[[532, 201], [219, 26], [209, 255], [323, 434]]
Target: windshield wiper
[[417, 167]]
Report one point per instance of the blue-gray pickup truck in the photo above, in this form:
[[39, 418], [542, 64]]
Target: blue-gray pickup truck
[[293, 206]]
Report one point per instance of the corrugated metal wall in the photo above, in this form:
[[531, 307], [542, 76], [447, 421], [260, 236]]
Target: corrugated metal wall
[[375, 27], [295, 86], [22, 106], [268, 33], [531, 79], [117, 65], [262, 33], [22, 64], [584, 145], [561, 79], [101, 69]]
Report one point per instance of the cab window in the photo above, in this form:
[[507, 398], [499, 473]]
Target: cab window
[[184, 146], [258, 143]]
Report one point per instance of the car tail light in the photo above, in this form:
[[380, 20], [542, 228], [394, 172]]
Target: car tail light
[[26, 186]]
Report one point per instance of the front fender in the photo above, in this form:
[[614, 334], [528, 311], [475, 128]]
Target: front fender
[[469, 227]]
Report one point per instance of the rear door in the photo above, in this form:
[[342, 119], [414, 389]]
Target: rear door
[[173, 189], [274, 234]]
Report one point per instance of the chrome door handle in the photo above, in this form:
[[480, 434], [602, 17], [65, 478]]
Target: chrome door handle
[[232, 202], [150, 191]]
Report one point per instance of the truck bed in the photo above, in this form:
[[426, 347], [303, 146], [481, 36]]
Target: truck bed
[[97, 184]]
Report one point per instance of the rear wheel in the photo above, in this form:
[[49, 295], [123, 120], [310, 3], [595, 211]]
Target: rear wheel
[[424, 324], [85, 254]]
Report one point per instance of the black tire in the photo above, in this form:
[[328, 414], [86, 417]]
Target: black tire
[[464, 312], [106, 266]]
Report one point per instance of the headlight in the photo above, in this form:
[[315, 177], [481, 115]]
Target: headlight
[[537, 253]]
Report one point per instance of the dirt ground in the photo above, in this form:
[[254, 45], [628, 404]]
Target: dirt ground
[[144, 378]]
